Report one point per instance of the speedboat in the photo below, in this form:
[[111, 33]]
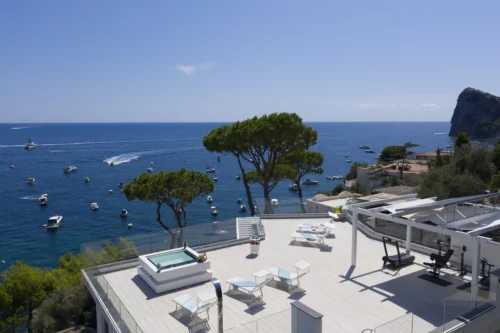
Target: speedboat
[[209, 198], [214, 210], [129, 225], [30, 181], [70, 168], [243, 208], [54, 222], [87, 179], [30, 145], [348, 161], [150, 170], [123, 213], [310, 182], [94, 206], [238, 177], [364, 147], [112, 163], [369, 151], [110, 191], [12, 166], [293, 187], [210, 170], [274, 202], [332, 177], [216, 179], [43, 199]]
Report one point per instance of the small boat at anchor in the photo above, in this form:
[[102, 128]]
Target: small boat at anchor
[[43, 199], [274, 202], [238, 177], [87, 179], [243, 208], [369, 151], [31, 181], [216, 179], [214, 210], [210, 170], [310, 182], [12, 166], [364, 147], [53, 223], [348, 161], [150, 170], [94, 206], [293, 187], [70, 168], [209, 198], [124, 213]]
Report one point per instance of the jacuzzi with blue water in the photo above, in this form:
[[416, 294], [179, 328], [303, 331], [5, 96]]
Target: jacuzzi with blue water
[[173, 269]]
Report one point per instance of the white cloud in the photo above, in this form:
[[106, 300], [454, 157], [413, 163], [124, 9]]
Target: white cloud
[[429, 105], [189, 70]]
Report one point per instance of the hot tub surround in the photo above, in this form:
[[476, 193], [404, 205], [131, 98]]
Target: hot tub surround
[[167, 278]]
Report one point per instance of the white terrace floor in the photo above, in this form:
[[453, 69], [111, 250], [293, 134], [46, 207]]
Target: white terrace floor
[[350, 300]]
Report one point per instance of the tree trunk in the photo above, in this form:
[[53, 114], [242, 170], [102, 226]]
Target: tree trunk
[[402, 168], [164, 226], [247, 188], [299, 191], [268, 208], [30, 316], [180, 242]]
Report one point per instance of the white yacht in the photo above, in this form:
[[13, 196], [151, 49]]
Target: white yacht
[[30, 145], [209, 198], [43, 199], [124, 213], [210, 170], [274, 202], [54, 222], [70, 169], [214, 210], [348, 161], [310, 182], [94, 206], [216, 179], [12, 166], [293, 187], [150, 170], [31, 181]]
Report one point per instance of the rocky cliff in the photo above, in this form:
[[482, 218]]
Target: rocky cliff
[[477, 113]]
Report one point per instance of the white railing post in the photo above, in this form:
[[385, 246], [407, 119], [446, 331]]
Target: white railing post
[[354, 245]]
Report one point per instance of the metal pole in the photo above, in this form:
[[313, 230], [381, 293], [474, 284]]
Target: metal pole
[[218, 292], [354, 240]]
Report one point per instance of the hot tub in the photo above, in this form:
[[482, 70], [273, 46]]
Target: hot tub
[[173, 269]]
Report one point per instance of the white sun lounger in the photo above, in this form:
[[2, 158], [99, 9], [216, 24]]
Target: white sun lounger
[[316, 227], [246, 286], [282, 275], [193, 305], [308, 237]]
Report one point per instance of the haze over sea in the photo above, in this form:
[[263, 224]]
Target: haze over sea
[[170, 146]]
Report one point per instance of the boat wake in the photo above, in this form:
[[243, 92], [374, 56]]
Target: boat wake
[[30, 197], [57, 151], [124, 158], [18, 128], [439, 133], [129, 157]]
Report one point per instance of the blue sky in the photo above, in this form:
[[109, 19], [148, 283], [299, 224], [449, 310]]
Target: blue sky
[[93, 61]]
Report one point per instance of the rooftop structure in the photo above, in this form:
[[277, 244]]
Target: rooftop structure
[[371, 175], [353, 292], [427, 156]]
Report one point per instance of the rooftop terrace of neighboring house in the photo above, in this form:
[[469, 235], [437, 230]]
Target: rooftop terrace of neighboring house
[[411, 166], [428, 155], [351, 299]]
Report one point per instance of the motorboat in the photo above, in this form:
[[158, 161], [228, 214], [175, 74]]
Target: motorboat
[[238, 177], [87, 179], [150, 170], [112, 163], [216, 179], [293, 187], [364, 147], [348, 161], [30, 145], [274, 202], [346, 155], [70, 168], [43, 199], [12, 166], [31, 181], [332, 177], [209, 198], [124, 213], [218, 158], [110, 191], [310, 182], [120, 185], [243, 208], [94, 206], [214, 210], [54, 222], [129, 225], [239, 200], [210, 170], [369, 151]]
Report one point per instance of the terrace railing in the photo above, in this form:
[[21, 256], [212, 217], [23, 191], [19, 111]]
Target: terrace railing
[[403, 324]]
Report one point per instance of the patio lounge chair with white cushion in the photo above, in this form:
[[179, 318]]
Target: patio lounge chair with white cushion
[[316, 227], [308, 237], [192, 305], [282, 275], [246, 286]]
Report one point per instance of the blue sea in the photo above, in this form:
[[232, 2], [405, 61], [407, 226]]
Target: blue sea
[[132, 148]]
